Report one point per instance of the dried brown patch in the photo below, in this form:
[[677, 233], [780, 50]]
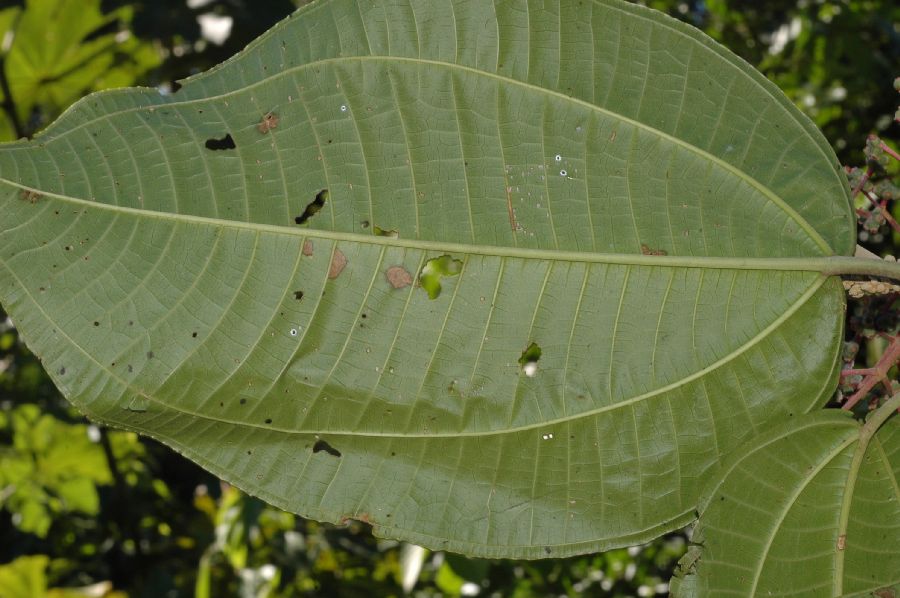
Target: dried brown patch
[[399, 277], [647, 251], [307, 248], [509, 207], [269, 121], [30, 196], [338, 263], [842, 542], [362, 517]]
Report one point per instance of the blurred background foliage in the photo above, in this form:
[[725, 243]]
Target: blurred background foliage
[[86, 511]]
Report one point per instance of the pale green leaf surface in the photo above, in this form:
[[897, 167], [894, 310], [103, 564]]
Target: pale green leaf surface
[[772, 524], [159, 279]]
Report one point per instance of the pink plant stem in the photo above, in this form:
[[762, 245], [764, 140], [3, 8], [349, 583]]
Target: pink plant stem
[[890, 219], [890, 152], [862, 183], [862, 372], [874, 375]]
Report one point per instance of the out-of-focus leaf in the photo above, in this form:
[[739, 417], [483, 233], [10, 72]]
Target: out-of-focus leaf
[[25, 577], [51, 468], [59, 50]]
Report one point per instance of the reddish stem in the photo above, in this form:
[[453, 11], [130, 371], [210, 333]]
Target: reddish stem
[[887, 216], [890, 152], [862, 183], [874, 375], [862, 372]]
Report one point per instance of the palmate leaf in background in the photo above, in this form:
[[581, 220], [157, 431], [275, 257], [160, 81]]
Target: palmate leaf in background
[[55, 51], [810, 508], [609, 188]]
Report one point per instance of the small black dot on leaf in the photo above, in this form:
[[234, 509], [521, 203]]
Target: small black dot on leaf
[[268, 420], [298, 295]]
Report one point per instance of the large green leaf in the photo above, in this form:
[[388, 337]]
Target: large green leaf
[[608, 185], [811, 508]]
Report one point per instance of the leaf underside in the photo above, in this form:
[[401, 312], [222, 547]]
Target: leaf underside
[[772, 525], [150, 254]]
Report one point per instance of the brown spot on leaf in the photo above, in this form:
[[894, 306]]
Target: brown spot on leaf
[[399, 277], [362, 517], [647, 251], [269, 121], [30, 196], [338, 263], [842, 542], [509, 207], [307, 248]]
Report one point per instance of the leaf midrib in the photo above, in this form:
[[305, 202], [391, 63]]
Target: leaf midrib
[[705, 155], [819, 264]]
